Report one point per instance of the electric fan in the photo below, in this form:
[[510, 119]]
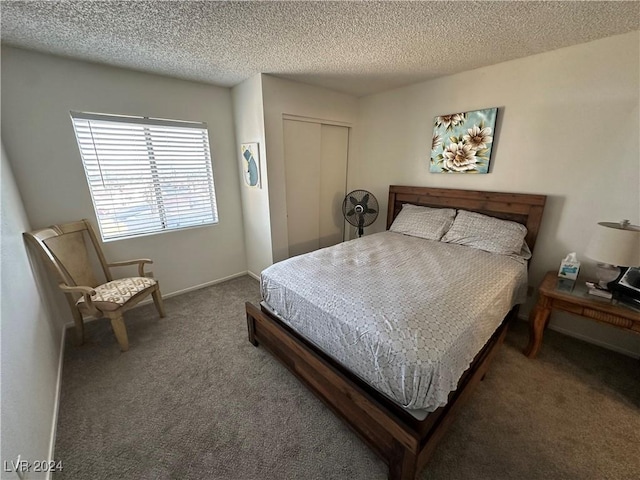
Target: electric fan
[[360, 209]]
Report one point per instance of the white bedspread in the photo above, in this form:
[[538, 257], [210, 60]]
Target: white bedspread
[[405, 314]]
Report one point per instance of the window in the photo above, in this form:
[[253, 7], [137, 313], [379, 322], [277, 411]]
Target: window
[[146, 175]]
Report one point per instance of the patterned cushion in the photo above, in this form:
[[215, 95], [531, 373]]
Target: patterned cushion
[[112, 295], [423, 222], [487, 233]]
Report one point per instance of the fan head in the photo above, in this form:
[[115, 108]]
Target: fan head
[[360, 209]]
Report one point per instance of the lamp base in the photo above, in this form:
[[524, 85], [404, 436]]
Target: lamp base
[[606, 273]]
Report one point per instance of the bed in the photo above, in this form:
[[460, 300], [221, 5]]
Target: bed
[[399, 415]]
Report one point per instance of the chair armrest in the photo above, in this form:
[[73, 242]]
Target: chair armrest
[[86, 293], [139, 261]]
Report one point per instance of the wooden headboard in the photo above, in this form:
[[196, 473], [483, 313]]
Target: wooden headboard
[[518, 207]]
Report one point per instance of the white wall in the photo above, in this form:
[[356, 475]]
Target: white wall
[[38, 91], [249, 122], [285, 97], [259, 105], [31, 339], [567, 128]]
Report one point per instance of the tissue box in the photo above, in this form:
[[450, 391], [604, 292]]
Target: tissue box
[[569, 270]]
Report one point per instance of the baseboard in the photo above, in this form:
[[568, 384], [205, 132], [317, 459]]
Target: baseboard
[[253, 275], [198, 287], [56, 404], [585, 338]]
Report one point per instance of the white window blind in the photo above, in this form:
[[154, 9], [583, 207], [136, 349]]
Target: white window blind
[[146, 175]]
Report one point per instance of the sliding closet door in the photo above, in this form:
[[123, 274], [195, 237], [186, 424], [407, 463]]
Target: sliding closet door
[[333, 180], [315, 171], [302, 157]]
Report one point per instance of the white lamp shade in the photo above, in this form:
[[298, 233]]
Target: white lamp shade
[[616, 245]]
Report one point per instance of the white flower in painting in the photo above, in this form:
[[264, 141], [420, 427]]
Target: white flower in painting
[[436, 142], [478, 137], [459, 157], [450, 121]]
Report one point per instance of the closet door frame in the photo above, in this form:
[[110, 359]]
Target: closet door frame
[[337, 123], [298, 118]]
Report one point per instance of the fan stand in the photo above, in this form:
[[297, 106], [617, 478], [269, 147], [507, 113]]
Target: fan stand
[[360, 211]]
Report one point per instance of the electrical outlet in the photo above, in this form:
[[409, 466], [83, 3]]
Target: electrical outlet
[[148, 274]]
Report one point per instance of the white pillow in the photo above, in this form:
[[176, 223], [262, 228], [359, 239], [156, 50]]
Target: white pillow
[[423, 222], [488, 233]]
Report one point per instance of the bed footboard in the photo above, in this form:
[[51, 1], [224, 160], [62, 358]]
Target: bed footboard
[[402, 441]]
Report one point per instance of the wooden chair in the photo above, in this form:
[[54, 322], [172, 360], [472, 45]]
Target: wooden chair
[[65, 249]]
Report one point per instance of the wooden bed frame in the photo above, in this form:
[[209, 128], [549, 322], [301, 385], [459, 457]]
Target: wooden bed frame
[[404, 442]]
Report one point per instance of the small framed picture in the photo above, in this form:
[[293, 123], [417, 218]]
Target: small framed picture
[[250, 158], [627, 285], [630, 280]]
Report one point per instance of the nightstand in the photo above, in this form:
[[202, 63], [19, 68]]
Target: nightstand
[[559, 294]]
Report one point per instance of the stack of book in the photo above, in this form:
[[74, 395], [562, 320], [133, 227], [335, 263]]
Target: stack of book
[[598, 291]]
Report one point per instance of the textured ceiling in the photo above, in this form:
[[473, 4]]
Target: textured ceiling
[[353, 47]]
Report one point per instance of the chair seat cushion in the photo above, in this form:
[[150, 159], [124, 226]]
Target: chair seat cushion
[[112, 295]]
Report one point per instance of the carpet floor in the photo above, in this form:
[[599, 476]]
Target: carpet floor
[[192, 399]]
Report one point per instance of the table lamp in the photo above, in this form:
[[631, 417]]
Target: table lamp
[[614, 245]]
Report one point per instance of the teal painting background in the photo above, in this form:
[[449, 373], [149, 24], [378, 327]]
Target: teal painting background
[[488, 116]]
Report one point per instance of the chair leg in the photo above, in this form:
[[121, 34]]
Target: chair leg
[[77, 319], [119, 329], [157, 299]]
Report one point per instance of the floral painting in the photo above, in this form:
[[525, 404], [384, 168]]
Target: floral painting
[[462, 142], [251, 164]]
